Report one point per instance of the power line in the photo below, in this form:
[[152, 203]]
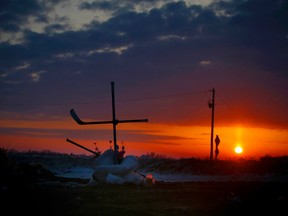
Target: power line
[[187, 94]]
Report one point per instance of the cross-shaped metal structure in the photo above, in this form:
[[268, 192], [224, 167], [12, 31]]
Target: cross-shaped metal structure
[[114, 121]]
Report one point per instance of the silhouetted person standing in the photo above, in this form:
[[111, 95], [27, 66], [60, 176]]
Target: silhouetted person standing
[[217, 141]]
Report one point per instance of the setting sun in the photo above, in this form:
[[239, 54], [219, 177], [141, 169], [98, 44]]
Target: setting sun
[[238, 149]]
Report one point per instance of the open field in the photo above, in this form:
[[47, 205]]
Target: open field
[[195, 198], [31, 189]]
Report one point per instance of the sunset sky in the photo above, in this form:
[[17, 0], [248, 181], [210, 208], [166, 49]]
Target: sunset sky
[[164, 57]]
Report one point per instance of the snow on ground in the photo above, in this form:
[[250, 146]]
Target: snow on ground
[[162, 169], [86, 173], [76, 172], [216, 178]]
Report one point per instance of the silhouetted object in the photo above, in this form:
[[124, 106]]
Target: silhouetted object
[[217, 141], [121, 154], [114, 120], [110, 141], [87, 149], [210, 103], [117, 147], [97, 150]]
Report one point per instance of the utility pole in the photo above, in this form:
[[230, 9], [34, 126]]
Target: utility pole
[[115, 122], [212, 106]]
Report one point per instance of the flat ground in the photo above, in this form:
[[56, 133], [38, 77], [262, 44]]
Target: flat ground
[[23, 191], [194, 198]]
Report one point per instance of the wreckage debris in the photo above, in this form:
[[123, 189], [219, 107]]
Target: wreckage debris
[[107, 172]]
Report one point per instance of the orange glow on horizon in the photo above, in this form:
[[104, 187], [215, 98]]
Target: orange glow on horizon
[[164, 139]]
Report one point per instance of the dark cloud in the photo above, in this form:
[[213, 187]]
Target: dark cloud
[[230, 45], [98, 5], [14, 13], [55, 28], [118, 7]]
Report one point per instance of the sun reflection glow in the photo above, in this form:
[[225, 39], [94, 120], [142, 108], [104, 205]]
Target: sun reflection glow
[[238, 149]]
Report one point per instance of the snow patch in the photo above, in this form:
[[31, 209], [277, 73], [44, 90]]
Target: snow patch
[[107, 172]]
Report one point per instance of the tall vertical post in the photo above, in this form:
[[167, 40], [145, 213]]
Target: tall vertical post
[[212, 106], [114, 120]]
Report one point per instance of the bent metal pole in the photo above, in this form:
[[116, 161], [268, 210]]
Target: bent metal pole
[[114, 121]]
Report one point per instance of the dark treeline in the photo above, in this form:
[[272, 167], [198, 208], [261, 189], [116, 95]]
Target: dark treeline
[[159, 163], [265, 165]]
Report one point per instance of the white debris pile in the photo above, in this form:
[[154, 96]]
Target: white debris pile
[[106, 172]]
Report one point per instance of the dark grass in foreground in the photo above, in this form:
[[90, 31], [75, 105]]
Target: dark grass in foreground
[[159, 164], [194, 198], [30, 189]]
